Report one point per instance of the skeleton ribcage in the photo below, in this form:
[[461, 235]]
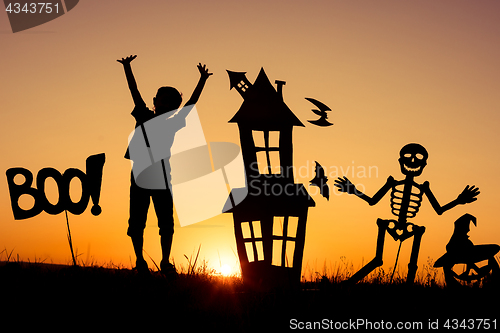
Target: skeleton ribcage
[[411, 205]]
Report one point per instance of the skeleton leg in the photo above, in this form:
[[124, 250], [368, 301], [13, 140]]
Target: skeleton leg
[[412, 266], [377, 261]]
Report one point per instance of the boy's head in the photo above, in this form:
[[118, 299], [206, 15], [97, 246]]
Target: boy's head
[[167, 99]]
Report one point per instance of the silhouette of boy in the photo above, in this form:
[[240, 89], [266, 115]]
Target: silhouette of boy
[[166, 99]]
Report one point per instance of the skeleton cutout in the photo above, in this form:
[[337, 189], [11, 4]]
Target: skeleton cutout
[[406, 199], [413, 159]]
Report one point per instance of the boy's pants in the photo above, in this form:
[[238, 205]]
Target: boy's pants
[[139, 205]]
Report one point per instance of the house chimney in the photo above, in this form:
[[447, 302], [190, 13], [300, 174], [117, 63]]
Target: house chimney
[[280, 85]]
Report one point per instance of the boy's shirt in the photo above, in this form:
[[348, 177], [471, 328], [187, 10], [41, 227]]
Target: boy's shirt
[[175, 118], [155, 175], [141, 113]]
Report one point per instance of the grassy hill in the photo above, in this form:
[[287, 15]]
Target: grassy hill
[[42, 294]]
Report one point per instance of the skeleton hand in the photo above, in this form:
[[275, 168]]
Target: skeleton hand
[[468, 195], [345, 185]]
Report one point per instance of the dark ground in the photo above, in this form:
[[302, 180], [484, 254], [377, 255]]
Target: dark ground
[[39, 295]]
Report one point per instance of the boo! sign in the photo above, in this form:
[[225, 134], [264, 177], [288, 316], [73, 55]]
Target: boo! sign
[[91, 188]]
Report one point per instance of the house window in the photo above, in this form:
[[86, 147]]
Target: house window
[[284, 236], [243, 86], [252, 237], [267, 151]]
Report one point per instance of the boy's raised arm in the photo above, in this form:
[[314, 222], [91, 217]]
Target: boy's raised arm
[[204, 75], [132, 85]]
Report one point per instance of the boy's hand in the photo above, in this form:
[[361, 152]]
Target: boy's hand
[[127, 60], [204, 71]]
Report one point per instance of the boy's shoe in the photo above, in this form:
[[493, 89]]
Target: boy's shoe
[[168, 270], [141, 266]]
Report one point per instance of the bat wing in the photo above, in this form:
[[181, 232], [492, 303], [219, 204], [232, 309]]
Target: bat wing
[[325, 191], [318, 104], [322, 114], [321, 122], [320, 180], [320, 172]]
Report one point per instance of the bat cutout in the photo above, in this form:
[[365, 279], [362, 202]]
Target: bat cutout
[[321, 112], [321, 180]]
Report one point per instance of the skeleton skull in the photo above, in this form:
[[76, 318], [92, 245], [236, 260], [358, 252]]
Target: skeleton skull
[[413, 159]]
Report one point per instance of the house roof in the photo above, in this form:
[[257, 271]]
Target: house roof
[[235, 78], [254, 205], [263, 107]]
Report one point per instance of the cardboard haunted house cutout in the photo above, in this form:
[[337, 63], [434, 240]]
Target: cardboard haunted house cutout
[[270, 223]]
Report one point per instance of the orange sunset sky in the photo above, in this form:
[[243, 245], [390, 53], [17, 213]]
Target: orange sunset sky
[[392, 71]]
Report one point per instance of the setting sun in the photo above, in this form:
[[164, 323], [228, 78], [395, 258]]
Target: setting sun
[[225, 270]]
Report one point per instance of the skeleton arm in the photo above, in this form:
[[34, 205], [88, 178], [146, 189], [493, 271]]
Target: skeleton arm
[[468, 195], [345, 185]]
